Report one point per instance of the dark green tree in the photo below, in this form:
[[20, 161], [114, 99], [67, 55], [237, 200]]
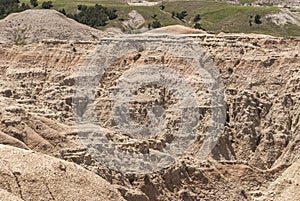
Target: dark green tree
[[197, 26], [34, 3], [11, 6], [63, 11], [111, 13], [154, 16], [94, 16], [173, 14], [24, 6], [156, 24], [181, 15], [197, 18], [47, 4], [257, 19]]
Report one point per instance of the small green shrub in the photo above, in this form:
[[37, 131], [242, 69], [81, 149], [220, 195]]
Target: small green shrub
[[47, 4]]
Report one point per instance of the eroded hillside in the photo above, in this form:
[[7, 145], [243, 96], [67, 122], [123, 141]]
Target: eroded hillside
[[256, 157]]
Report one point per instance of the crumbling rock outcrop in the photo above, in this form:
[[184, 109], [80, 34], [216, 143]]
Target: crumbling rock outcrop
[[260, 140]]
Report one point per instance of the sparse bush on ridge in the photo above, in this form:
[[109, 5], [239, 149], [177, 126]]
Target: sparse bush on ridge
[[197, 26], [63, 11], [18, 34], [156, 24]]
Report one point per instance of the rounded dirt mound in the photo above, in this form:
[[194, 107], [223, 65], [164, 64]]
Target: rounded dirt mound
[[36, 25], [177, 29], [34, 176]]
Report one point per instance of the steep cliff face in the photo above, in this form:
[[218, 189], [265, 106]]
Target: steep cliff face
[[262, 91], [260, 141]]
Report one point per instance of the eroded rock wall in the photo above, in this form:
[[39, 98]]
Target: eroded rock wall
[[261, 138]]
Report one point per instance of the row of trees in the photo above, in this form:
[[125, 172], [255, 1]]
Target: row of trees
[[11, 6], [94, 16], [91, 15], [98, 15]]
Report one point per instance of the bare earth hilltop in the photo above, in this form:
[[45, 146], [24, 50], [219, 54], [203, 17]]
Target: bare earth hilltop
[[41, 158]]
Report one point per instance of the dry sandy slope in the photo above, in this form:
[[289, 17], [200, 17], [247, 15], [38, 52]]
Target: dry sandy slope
[[4, 195], [262, 80], [284, 16], [286, 187], [45, 24], [33, 176], [176, 29]]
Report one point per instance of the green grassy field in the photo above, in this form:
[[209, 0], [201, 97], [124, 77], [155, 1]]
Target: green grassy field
[[216, 16]]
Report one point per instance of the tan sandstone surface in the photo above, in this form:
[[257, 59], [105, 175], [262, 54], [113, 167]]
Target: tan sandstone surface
[[34, 176], [256, 158]]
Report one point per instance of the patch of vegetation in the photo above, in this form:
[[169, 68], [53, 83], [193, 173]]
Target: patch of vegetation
[[63, 11], [34, 3], [257, 19], [197, 18], [47, 4], [197, 26], [215, 16], [181, 15], [246, 1], [11, 6], [18, 34], [155, 24], [162, 6], [93, 16]]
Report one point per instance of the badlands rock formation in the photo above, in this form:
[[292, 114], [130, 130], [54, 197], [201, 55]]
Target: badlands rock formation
[[135, 20], [36, 25], [285, 3], [256, 158], [289, 3]]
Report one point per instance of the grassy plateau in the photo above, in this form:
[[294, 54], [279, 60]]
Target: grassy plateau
[[216, 16]]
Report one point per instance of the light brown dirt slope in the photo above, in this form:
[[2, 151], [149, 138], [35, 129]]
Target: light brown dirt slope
[[177, 29], [257, 152], [32, 176], [36, 25]]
